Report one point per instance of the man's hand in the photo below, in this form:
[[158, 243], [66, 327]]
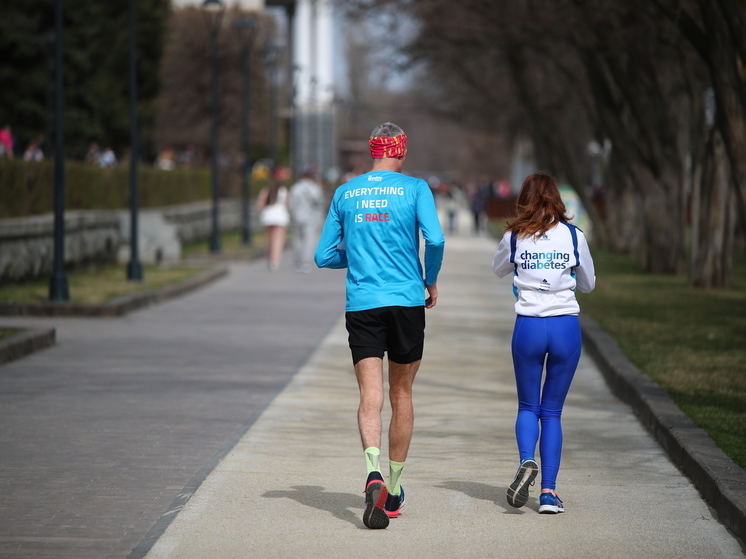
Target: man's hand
[[432, 291]]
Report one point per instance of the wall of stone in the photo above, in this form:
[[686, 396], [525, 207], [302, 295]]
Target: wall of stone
[[193, 222], [27, 244]]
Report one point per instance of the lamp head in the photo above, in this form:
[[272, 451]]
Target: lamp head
[[247, 24], [213, 5]]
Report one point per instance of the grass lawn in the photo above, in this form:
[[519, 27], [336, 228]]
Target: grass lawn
[[98, 284], [7, 332], [692, 342], [230, 246], [101, 283]]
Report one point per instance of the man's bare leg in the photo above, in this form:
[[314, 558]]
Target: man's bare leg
[[401, 378], [369, 373]]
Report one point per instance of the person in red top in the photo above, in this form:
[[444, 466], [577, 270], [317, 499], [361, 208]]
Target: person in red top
[[6, 141]]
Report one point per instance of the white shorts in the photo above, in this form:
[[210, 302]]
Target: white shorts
[[275, 214]]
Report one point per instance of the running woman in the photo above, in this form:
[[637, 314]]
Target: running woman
[[373, 229], [549, 259]]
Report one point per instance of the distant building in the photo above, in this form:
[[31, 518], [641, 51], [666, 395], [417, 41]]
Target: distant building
[[315, 136], [244, 4], [311, 114]]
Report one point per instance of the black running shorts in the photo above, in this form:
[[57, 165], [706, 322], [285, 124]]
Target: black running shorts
[[400, 331]]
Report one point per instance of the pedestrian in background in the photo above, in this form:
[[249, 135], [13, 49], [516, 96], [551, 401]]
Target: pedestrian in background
[[306, 200], [107, 158], [477, 203], [94, 154], [373, 229], [452, 206], [6, 141], [272, 204], [549, 259], [33, 152]]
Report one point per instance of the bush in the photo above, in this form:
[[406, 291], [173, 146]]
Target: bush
[[27, 188]]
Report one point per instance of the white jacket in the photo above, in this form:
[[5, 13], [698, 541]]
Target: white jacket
[[546, 270], [306, 200]]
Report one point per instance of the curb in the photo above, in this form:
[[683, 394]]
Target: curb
[[119, 305], [25, 343], [721, 481]]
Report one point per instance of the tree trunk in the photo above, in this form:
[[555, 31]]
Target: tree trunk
[[662, 249], [713, 220], [728, 76], [718, 36], [623, 217], [550, 143]]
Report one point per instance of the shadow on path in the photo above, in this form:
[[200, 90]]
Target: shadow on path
[[314, 496], [494, 494]]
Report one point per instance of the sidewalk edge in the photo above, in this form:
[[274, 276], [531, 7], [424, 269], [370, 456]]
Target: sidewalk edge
[[721, 481], [146, 544], [118, 306], [25, 343]]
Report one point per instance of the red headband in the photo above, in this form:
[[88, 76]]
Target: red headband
[[383, 146]]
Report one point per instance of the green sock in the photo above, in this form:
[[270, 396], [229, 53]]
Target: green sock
[[395, 469], [372, 457]]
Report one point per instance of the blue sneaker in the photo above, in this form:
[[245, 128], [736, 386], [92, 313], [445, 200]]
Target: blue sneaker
[[550, 504], [524, 478], [394, 503], [375, 516]]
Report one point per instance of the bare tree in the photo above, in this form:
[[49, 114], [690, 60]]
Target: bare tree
[[716, 32], [184, 110], [371, 65], [569, 72]]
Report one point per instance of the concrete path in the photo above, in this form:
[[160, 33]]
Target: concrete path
[[292, 485], [112, 427]]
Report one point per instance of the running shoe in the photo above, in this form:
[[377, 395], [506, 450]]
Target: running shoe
[[550, 504], [375, 516], [524, 478], [394, 503]]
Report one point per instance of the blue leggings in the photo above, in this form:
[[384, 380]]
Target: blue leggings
[[556, 339]]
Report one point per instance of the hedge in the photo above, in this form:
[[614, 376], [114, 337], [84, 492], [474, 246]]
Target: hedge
[[27, 188]]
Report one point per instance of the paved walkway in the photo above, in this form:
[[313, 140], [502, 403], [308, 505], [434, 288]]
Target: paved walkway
[[292, 486], [232, 410], [102, 433]]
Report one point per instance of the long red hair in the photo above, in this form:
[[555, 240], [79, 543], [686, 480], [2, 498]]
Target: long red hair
[[539, 206], [274, 187]]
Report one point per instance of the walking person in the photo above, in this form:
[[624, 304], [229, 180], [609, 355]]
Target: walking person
[[272, 204], [306, 199], [373, 229], [549, 259], [33, 152], [6, 142]]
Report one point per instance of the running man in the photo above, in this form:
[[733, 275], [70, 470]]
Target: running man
[[373, 229]]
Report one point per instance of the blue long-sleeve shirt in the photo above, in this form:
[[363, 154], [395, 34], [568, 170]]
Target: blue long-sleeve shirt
[[373, 229]]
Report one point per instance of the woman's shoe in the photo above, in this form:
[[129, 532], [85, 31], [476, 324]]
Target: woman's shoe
[[550, 504], [524, 478]]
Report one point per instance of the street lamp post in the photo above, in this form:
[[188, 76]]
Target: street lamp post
[[214, 11], [58, 286], [134, 268], [49, 41], [314, 116], [245, 28], [272, 58], [294, 128]]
